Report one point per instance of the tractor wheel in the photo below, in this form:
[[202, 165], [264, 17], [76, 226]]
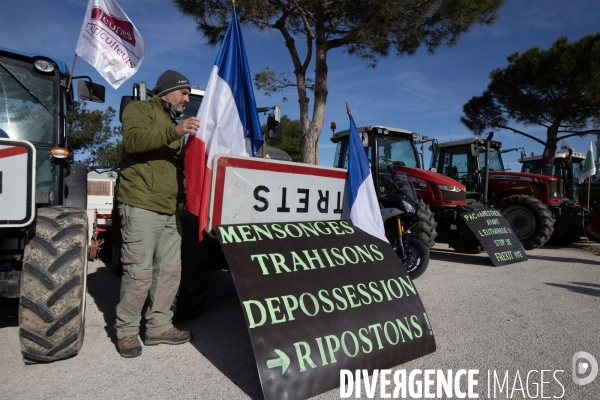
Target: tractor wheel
[[426, 228], [564, 233], [53, 285], [529, 219], [592, 229], [193, 287], [464, 242]]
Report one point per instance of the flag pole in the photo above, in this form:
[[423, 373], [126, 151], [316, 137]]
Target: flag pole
[[72, 71], [589, 190]]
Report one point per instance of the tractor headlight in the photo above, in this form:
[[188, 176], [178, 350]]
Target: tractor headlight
[[43, 65], [451, 188], [408, 207]]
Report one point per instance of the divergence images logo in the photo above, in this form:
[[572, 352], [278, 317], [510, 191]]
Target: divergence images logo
[[584, 364]]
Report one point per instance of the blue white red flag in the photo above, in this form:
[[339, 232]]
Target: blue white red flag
[[229, 121], [364, 206]]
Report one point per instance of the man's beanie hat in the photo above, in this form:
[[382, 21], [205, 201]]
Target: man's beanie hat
[[169, 81]]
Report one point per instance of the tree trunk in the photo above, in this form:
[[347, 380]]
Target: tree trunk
[[550, 149], [311, 135]]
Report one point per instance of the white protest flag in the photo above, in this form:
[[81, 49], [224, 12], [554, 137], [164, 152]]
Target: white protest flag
[[565, 147], [588, 168], [110, 42]]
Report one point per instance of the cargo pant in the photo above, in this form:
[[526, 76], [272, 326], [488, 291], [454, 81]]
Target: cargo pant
[[151, 256]]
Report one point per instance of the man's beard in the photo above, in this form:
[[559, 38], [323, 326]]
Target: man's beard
[[176, 109]]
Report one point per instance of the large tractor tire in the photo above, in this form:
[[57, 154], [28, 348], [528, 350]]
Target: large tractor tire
[[564, 232], [529, 219], [426, 228], [193, 287], [592, 229], [463, 240], [564, 236], [53, 285]]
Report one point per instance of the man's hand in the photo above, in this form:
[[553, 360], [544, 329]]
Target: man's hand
[[188, 125]]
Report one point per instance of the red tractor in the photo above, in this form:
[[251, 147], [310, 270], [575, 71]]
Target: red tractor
[[532, 203], [442, 199]]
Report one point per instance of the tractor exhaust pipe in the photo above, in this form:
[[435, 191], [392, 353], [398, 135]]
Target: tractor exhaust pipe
[[486, 180]]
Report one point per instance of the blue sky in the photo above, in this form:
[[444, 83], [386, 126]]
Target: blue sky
[[423, 93]]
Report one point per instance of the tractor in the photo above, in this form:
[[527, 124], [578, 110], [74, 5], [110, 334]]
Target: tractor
[[567, 166], [442, 199], [43, 195], [532, 203]]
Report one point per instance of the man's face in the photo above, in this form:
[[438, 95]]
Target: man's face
[[178, 99]]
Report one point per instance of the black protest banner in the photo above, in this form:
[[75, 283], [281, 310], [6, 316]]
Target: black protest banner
[[496, 236], [319, 297]]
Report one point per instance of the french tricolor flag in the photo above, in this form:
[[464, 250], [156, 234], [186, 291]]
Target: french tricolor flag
[[364, 206], [229, 121]]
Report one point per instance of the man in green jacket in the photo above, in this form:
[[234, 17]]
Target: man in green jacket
[[150, 184]]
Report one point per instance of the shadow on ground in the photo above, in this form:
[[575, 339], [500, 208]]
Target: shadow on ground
[[219, 333], [582, 288], [104, 286], [9, 312], [567, 261], [452, 256]]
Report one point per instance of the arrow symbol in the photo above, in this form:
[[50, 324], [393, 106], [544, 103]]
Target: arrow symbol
[[282, 361]]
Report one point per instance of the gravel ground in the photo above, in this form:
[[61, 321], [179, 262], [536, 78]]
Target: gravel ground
[[524, 317]]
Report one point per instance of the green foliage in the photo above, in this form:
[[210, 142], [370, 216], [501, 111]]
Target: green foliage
[[364, 29], [291, 141], [367, 29], [92, 138], [558, 89]]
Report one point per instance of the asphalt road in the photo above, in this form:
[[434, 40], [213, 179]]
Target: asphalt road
[[517, 318]]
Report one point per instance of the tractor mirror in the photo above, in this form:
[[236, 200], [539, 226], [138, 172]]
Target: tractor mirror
[[364, 136], [125, 100], [274, 129], [434, 149], [90, 91], [474, 149]]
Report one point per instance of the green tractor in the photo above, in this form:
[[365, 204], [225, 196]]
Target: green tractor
[[43, 197]]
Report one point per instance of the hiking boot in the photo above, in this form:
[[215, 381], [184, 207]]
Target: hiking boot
[[129, 346], [172, 336]]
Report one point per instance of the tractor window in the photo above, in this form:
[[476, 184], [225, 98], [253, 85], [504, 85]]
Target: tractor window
[[24, 115], [458, 164], [455, 164], [576, 169], [532, 167], [396, 149], [191, 108], [495, 160]]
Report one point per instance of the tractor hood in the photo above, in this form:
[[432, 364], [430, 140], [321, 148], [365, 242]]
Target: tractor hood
[[433, 177], [520, 176]]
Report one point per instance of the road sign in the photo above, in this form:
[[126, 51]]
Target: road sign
[[321, 296], [250, 190], [17, 183]]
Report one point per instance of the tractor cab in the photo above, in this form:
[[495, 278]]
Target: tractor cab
[[384, 147], [464, 161]]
